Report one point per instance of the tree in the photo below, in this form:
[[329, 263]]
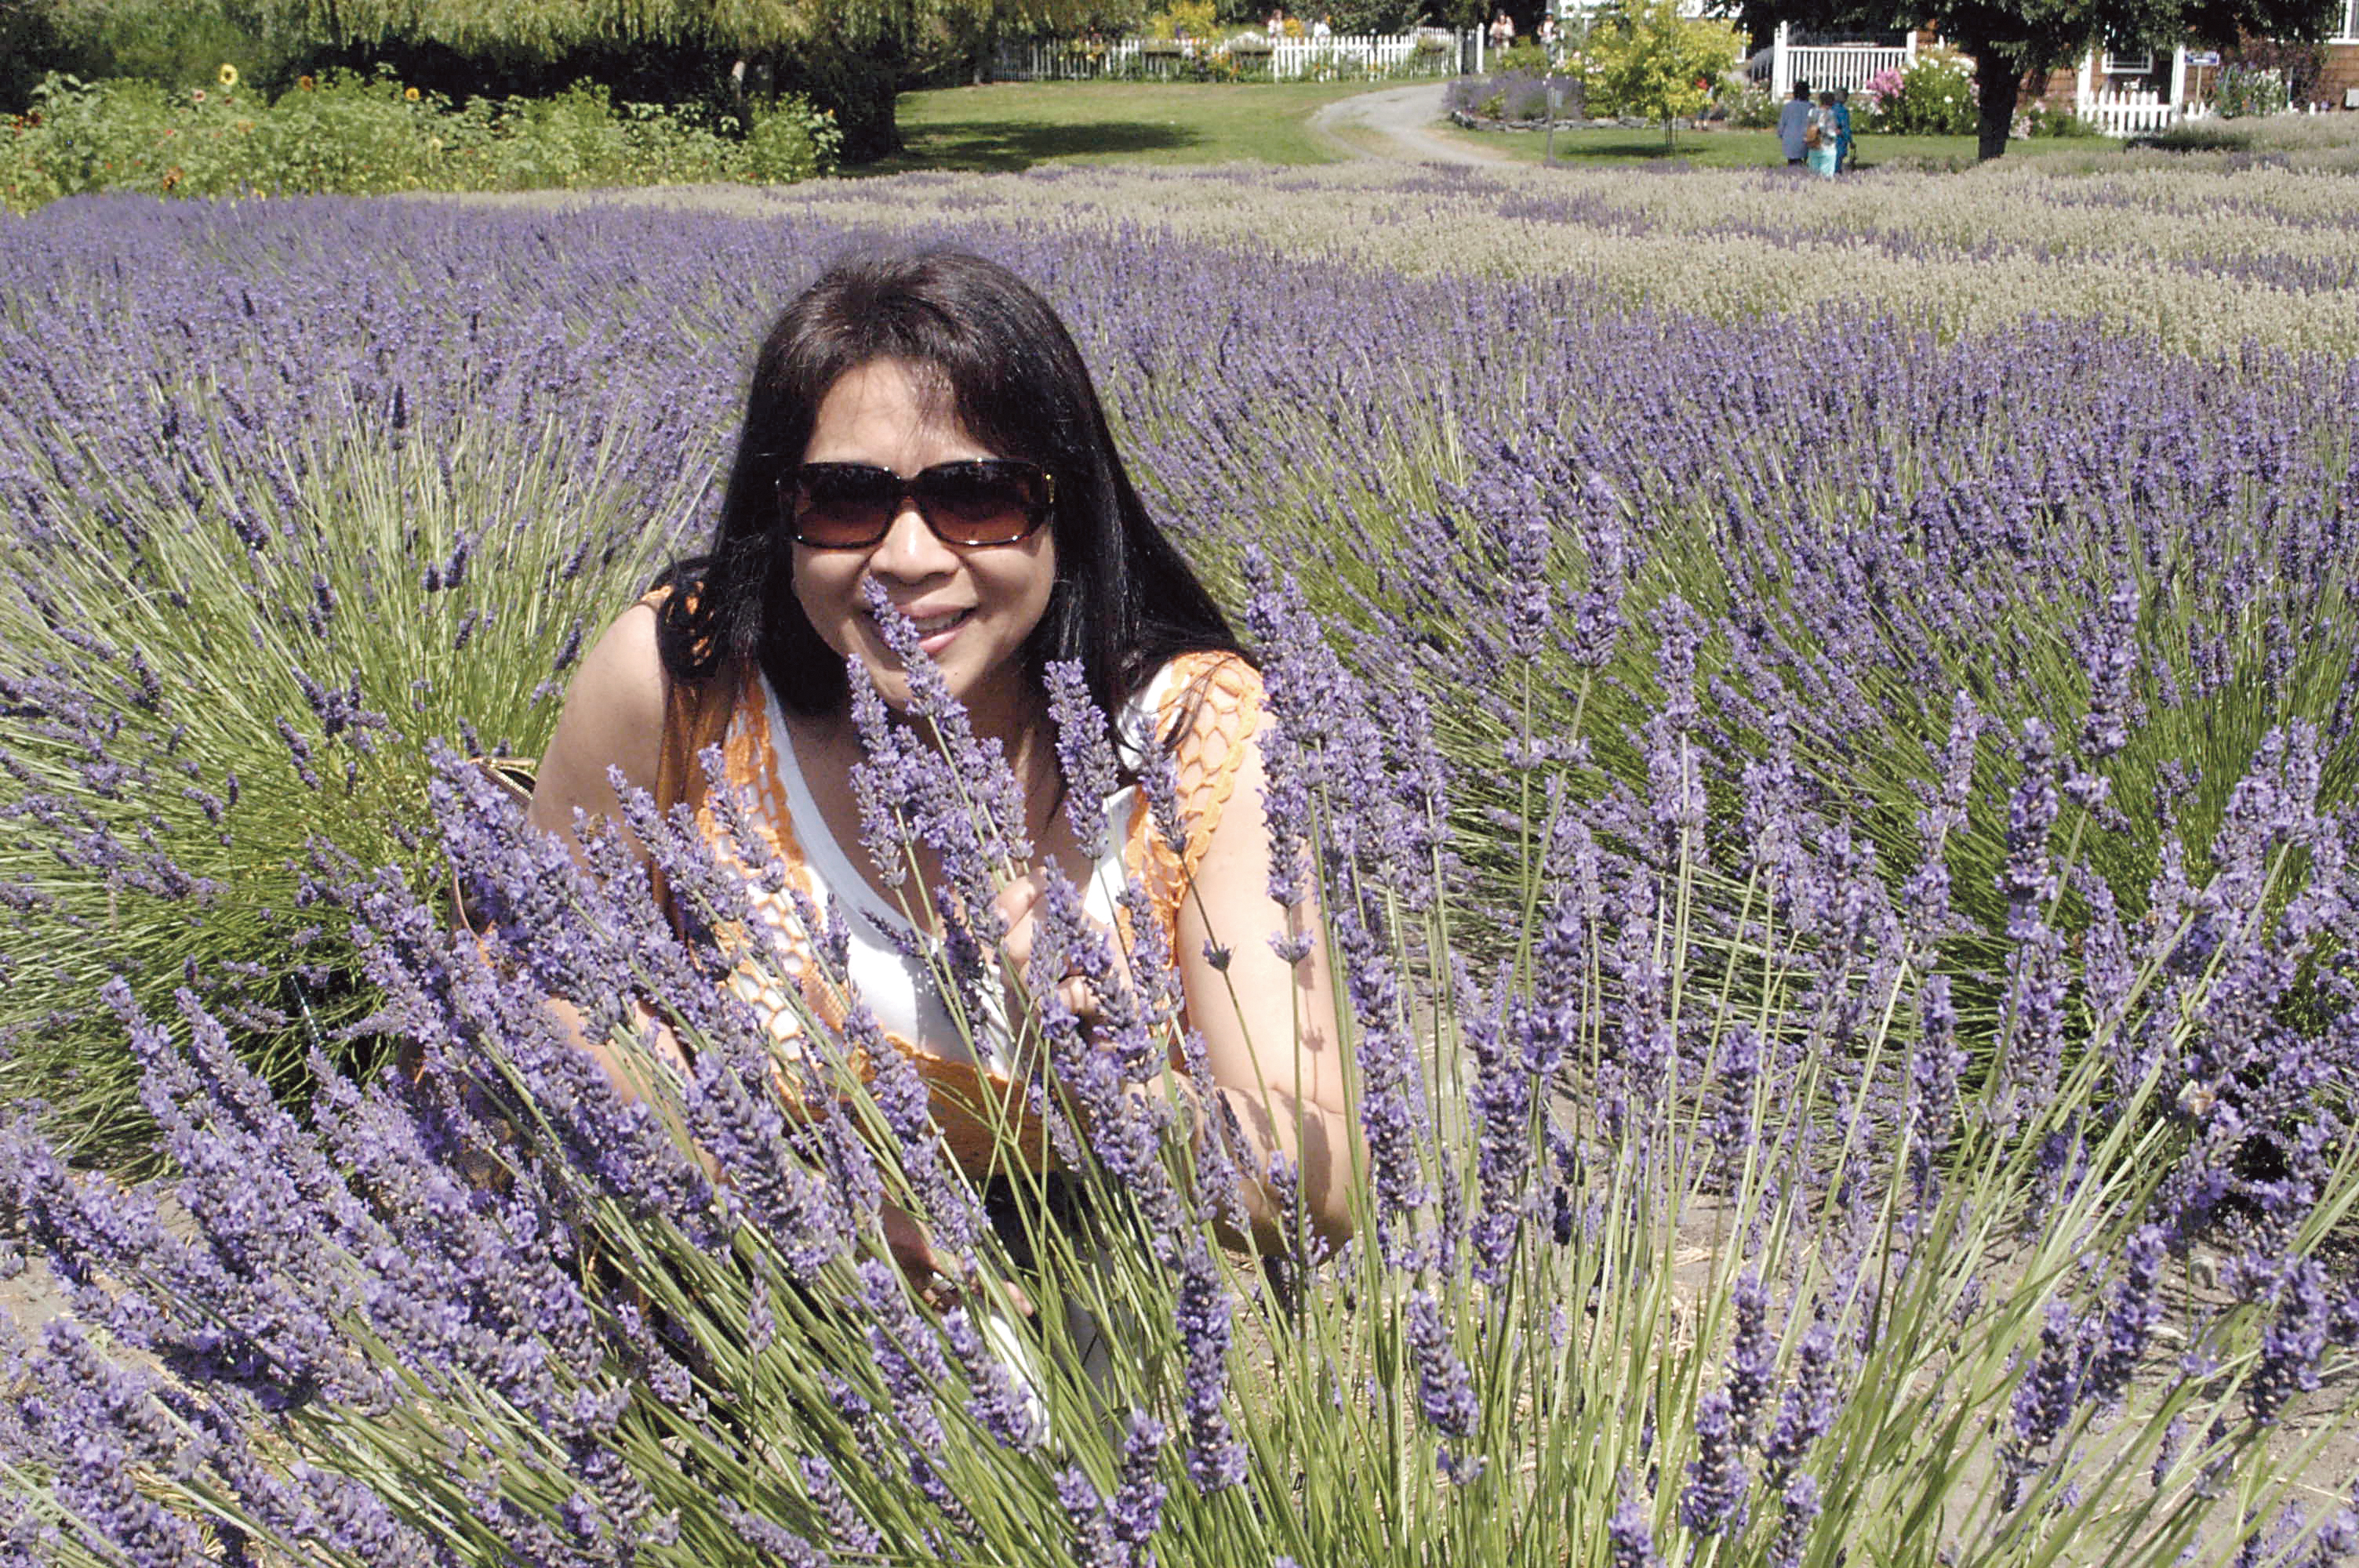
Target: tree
[[850, 56], [2013, 40], [1643, 58]]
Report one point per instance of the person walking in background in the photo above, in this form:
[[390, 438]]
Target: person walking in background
[[1502, 31], [1794, 125], [1843, 129], [1277, 23], [1547, 35], [1322, 29], [1819, 139]]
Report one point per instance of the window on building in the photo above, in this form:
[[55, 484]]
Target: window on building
[[2129, 64], [2350, 33]]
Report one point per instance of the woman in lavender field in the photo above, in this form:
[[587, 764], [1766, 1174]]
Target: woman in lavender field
[[924, 469]]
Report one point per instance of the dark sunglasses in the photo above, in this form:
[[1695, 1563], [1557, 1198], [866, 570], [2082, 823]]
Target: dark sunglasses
[[850, 506]]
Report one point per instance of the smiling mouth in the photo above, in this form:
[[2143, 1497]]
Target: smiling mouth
[[934, 626]]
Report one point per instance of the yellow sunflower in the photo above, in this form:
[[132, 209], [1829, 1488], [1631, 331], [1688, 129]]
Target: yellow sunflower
[[410, 93], [228, 74]]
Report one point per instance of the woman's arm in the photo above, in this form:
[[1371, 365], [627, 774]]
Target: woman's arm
[[1269, 1026], [613, 717]]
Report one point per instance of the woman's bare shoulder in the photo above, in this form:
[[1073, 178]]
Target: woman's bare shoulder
[[613, 717]]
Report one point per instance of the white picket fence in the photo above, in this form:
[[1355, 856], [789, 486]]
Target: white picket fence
[[2134, 113], [1079, 60]]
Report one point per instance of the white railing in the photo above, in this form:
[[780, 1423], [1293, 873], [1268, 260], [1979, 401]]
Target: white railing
[[1079, 60], [1848, 66], [2128, 114]]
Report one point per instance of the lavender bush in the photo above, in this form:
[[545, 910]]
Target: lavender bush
[[1841, 886], [267, 538]]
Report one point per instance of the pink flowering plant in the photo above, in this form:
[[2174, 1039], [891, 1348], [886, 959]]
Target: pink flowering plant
[[1934, 97], [1848, 987], [1882, 88]]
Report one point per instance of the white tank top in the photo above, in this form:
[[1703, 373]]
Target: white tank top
[[1212, 700], [885, 966]]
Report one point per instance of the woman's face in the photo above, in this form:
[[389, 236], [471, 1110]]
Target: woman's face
[[973, 606]]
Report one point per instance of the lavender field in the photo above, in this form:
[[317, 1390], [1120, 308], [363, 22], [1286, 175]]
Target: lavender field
[[1826, 720]]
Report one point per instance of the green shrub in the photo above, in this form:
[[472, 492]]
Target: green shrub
[[1746, 104], [1644, 58], [369, 135], [2041, 120], [174, 43], [1197, 16], [791, 141], [2247, 90]]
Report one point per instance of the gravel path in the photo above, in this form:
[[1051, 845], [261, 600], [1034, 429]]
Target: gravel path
[[1395, 126]]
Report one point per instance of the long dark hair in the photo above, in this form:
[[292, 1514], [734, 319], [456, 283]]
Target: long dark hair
[[1124, 600]]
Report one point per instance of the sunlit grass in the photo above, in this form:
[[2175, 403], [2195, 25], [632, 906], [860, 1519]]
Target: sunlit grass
[[1016, 125]]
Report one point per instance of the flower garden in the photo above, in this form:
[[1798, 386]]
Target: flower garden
[[1833, 804]]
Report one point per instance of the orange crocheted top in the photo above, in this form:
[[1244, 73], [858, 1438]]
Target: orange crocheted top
[[1216, 696]]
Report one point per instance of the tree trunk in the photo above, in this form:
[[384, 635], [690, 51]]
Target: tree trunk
[[1998, 82], [865, 113], [859, 83]]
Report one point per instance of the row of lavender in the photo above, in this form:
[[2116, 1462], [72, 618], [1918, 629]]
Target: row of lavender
[[1897, 828]]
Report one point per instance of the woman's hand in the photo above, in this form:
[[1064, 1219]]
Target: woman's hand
[[931, 1274], [1018, 904]]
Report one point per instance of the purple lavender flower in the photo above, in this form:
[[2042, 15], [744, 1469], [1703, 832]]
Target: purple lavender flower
[[2128, 1320], [1216, 1460], [1798, 1511], [1629, 1538], [2294, 1340], [2043, 1401], [774, 1542], [999, 1403], [2112, 660], [1445, 1387], [852, 1533], [1502, 1104], [1085, 754], [2030, 879], [1807, 1410], [1714, 1499], [1136, 1510], [909, 1357], [1392, 1102], [1117, 1530], [1753, 1357]]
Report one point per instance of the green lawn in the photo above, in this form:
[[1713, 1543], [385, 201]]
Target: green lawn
[[1013, 125], [1017, 125], [1744, 149]]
